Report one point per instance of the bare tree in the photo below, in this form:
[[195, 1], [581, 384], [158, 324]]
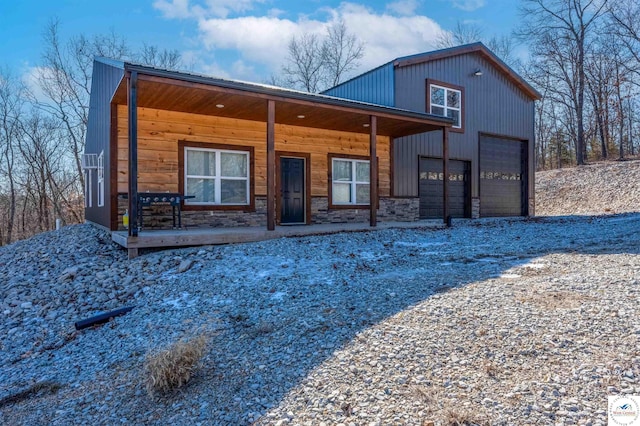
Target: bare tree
[[163, 58], [315, 63], [304, 63], [599, 69], [42, 132], [504, 47], [460, 34], [549, 25], [65, 77], [463, 33], [65, 80], [341, 51], [11, 102], [40, 149], [626, 26]]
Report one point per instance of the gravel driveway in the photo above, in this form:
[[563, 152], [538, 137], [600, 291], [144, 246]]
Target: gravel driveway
[[505, 322]]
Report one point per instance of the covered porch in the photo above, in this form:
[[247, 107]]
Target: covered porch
[[161, 90]]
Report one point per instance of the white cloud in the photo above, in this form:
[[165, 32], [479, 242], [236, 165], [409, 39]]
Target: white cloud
[[182, 9], [469, 5], [215, 70], [222, 8], [264, 39], [173, 9], [258, 44], [257, 39], [274, 13], [31, 79], [403, 7], [387, 37]]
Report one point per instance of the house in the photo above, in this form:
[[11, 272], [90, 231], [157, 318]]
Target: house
[[491, 142], [226, 153]]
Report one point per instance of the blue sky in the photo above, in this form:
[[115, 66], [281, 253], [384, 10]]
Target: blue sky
[[243, 39]]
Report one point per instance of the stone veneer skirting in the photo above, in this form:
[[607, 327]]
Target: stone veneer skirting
[[475, 208], [390, 210]]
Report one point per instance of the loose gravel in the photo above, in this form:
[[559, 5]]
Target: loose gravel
[[605, 187], [502, 322]]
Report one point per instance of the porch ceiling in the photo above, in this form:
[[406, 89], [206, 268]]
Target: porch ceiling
[[249, 102]]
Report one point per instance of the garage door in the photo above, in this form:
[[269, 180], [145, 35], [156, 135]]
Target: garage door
[[431, 191], [503, 177]]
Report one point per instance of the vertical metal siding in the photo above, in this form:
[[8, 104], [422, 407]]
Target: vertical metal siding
[[105, 80], [492, 104], [375, 86]]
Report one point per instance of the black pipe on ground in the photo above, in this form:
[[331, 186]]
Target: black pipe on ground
[[102, 318]]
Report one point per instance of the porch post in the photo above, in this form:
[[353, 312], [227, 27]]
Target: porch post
[[132, 103], [373, 171], [445, 172], [271, 165]]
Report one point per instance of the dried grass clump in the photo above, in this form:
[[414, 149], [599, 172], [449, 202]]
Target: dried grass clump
[[172, 367], [464, 418]]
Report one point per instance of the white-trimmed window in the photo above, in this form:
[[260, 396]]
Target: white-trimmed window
[[101, 179], [447, 102], [216, 176], [350, 181], [87, 189]]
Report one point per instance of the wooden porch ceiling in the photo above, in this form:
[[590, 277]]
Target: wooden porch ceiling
[[175, 94]]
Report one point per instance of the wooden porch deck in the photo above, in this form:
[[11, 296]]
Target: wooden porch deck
[[214, 236]]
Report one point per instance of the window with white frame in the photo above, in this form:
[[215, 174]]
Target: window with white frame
[[101, 179], [87, 189], [447, 102], [350, 181], [216, 176]]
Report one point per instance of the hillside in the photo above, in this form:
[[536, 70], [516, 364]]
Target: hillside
[[605, 187], [495, 321]]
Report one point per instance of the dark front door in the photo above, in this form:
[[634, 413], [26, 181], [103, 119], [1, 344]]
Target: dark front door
[[292, 194]]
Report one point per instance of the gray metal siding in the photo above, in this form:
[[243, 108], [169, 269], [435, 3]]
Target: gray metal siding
[[105, 80], [492, 104], [375, 86]]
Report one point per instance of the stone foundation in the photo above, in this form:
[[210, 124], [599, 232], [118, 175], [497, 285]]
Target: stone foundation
[[399, 209], [391, 210], [532, 207], [160, 217], [475, 208]]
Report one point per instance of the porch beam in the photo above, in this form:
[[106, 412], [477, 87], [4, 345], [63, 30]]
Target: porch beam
[[132, 103], [373, 171], [445, 173], [271, 165]]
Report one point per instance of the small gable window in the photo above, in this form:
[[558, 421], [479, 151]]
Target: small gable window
[[446, 100]]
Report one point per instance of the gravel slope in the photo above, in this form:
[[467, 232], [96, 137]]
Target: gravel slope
[[606, 187], [501, 322], [495, 321]]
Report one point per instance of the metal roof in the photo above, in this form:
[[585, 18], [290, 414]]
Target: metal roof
[[189, 92], [478, 47], [269, 90]]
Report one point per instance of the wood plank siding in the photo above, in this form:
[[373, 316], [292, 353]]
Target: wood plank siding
[[159, 132]]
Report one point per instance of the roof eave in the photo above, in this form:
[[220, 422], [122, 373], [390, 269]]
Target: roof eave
[[478, 47], [284, 93]]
